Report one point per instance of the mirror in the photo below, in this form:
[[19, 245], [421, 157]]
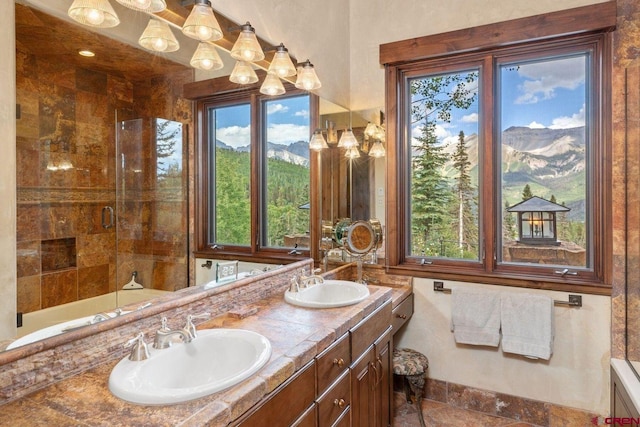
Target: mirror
[[353, 189], [102, 154], [133, 75]]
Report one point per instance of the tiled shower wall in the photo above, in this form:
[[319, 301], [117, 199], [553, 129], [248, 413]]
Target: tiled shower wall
[[66, 174]]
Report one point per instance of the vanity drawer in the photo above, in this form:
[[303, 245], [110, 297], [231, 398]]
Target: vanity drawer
[[332, 362], [335, 401], [286, 403], [402, 313], [308, 419], [369, 329]]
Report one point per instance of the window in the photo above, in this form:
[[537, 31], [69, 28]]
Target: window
[[255, 156], [499, 159]]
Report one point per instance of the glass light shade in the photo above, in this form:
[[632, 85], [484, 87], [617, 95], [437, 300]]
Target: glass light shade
[[149, 6], [246, 47], [281, 63], [347, 140], [352, 153], [243, 73], [307, 78], [377, 150], [317, 141], [272, 85], [370, 130], [95, 13], [206, 57], [158, 37], [201, 24]]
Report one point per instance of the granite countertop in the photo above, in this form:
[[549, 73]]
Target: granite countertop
[[297, 335]]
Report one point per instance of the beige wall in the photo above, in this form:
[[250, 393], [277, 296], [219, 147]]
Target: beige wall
[[314, 30], [374, 22], [577, 374], [7, 173]]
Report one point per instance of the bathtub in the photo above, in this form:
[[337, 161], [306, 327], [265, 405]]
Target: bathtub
[[43, 320], [629, 382]]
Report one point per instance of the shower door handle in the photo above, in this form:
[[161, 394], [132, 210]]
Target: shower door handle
[[107, 217]]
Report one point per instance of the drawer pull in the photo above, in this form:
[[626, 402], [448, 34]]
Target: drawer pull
[[340, 403], [401, 316], [339, 362]]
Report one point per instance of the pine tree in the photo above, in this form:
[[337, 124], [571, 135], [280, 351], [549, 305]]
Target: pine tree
[[465, 197], [508, 224], [526, 192], [430, 194], [433, 99]]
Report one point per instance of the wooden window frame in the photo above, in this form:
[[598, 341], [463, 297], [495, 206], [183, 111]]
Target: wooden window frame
[[590, 24], [219, 92]]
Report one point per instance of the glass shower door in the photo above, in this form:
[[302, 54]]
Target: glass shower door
[[151, 209]]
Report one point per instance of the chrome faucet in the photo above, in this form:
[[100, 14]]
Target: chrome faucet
[[190, 328], [164, 336], [306, 281], [139, 349]]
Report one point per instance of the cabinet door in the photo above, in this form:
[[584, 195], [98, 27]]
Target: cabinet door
[[363, 382], [382, 371]]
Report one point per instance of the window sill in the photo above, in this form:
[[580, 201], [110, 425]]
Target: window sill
[[515, 280]]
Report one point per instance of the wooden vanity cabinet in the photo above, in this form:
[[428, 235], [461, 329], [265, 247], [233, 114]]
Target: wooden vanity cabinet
[[348, 384], [371, 370]]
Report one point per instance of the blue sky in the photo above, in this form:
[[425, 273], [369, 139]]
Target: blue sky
[[546, 94], [287, 122]]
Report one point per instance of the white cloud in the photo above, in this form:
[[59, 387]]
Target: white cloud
[[470, 118], [565, 122], [302, 113], [543, 78], [535, 125], [277, 108], [287, 133], [235, 136]]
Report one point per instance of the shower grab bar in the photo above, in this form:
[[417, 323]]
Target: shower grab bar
[[106, 225], [574, 300]]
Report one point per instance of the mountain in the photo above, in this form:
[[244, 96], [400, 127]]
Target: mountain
[[296, 153], [551, 161]]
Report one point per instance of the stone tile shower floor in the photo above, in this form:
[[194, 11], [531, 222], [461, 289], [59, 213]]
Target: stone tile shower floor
[[437, 414]]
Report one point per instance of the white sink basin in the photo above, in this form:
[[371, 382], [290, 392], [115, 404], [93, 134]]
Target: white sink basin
[[331, 293], [215, 360], [58, 329]]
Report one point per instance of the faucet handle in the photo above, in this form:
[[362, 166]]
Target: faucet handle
[[164, 326], [139, 350], [190, 327]]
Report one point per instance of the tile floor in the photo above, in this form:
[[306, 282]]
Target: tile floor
[[437, 414]]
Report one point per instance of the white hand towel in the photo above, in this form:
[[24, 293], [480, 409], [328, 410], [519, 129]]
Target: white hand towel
[[475, 317], [527, 325]]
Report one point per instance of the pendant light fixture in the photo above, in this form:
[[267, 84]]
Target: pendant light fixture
[[317, 141], [94, 13], [206, 57], [158, 37], [281, 63], [272, 85], [243, 73], [201, 24], [347, 140], [307, 77], [377, 150], [149, 6], [352, 153], [246, 47]]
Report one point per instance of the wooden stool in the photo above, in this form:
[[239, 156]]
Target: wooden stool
[[412, 366]]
